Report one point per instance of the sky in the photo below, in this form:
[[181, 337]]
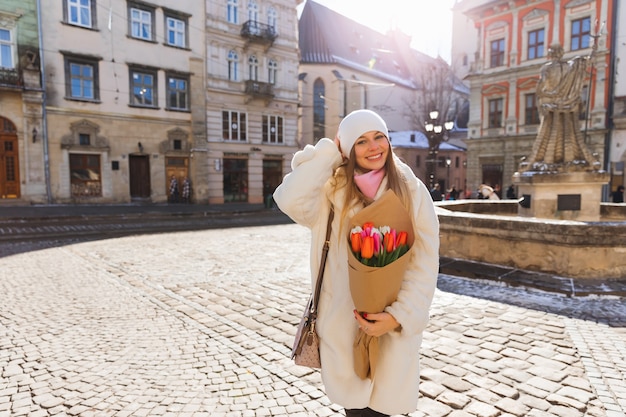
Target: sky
[[428, 22]]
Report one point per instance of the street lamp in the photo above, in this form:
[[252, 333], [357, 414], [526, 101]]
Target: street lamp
[[448, 163], [436, 133]]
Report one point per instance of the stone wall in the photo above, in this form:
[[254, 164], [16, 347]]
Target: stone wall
[[591, 250]]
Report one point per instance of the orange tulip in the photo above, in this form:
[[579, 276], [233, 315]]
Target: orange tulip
[[367, 247], [355, 241], [389, 242], [402, 238]]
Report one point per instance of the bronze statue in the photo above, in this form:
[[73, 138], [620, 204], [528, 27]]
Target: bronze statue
[[560, 145]]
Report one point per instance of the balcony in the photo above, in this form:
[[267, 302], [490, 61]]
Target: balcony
[[256, 89], [10, 77], [260, 33]]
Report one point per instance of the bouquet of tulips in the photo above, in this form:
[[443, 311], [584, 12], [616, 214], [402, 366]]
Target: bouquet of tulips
[[374, 246], [377, 260]]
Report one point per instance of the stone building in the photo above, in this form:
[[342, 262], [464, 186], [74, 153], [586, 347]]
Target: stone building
[[512, 39], [142, 97], [252, 97], [617, 159], [124, 89], [22, 173]]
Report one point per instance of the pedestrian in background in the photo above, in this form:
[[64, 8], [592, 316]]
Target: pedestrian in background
[[349, 174], [173, 190], [435, 193], [618, 195], [510, 192]]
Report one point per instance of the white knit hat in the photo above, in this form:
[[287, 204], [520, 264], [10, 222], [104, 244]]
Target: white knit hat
[[355, 124]]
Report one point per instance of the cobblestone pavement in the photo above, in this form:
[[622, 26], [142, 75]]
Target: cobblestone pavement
[[200, 324]]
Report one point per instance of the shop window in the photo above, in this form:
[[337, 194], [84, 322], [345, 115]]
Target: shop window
[[235, 180], [85, 175]]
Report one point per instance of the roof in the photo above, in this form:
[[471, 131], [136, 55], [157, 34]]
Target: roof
[[359, 47], [402, 139]]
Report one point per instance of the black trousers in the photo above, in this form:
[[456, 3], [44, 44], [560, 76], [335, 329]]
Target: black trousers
[[364, 412]]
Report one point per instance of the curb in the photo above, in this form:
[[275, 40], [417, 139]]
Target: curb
[[571, 287]]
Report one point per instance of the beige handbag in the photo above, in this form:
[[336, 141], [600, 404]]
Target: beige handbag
[[306, 349]]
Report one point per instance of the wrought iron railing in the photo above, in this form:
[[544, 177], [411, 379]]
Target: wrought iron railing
[[259, 89], [10, 77], [256, 31]]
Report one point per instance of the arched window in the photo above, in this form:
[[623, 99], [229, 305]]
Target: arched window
[[253, 11], [272, 67], [319, 111], [272, 19], [253, 68], [233, 11], [233, 66]]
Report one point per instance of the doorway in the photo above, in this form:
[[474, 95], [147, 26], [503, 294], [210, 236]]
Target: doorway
[[178, 168], [139, 172], [9, 160]]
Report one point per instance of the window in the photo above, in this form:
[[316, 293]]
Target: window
[[81, 78], [253, 11], [253, 68], [176, 32], [177, 93], [232, 13], [535, 43], [495, 112], [85, 175], [272, 129], [234, 126], [531, 111], [6, 49], [497, 53], [141, 23], [233, 66], [581, 33], [80, 12], [272, 67], [319, 110], [143, 88], [272, 19], [418, 161], [84, 139]]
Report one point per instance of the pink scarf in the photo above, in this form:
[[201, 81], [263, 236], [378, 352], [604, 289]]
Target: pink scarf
[[369, 182]]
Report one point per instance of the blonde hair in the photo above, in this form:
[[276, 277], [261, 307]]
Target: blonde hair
[[396, 181]]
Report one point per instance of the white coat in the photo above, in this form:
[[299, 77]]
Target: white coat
[[305, 196]]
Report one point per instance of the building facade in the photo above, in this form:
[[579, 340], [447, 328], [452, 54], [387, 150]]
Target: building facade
[[512, 40], [122, 80], [147, 101], [22, 174], [617, 158], [252, 97]]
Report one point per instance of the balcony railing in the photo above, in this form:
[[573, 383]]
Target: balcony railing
[[258, 32], [258, 89], [10, 77]]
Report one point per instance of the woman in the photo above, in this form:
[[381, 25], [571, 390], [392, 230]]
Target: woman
[[348, 175]]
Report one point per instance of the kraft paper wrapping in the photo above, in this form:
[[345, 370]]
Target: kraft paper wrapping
[[374, 288]]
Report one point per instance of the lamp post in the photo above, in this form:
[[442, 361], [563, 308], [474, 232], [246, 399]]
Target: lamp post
[[448, 163], [436, 133]]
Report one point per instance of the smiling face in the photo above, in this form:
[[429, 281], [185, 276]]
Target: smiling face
[[371, 150]]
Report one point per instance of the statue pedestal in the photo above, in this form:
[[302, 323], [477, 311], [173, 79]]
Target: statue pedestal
[[562, 195]]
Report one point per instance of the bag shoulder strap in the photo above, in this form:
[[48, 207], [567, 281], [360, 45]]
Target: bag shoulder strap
[[320, 273]]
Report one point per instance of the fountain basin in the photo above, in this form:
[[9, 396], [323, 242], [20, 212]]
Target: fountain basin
[[490, 232]]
